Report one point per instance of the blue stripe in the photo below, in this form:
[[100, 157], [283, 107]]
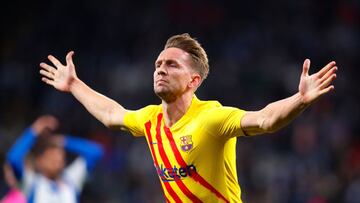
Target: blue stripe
[[31, 197]]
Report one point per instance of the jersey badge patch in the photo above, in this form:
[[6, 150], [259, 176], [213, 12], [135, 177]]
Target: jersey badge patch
[[186, 143]]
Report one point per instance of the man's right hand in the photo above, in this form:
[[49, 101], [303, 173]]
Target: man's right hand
[[61, 76]]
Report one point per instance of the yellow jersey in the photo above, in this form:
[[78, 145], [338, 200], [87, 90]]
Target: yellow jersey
[[196, 157]]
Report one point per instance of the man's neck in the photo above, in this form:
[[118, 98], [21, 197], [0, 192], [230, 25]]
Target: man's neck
[[175, 110]]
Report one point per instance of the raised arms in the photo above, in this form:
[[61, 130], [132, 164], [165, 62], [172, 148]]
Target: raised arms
[[278, 114], [18, 151], [64, 78]]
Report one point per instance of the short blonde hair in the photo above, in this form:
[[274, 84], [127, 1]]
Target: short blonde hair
[[186, 43]]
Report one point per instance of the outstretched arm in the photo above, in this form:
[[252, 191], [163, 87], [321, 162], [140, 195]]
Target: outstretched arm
[[278, 114], [64, 78]]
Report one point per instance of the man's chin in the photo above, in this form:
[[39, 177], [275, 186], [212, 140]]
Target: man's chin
[[161, 91]]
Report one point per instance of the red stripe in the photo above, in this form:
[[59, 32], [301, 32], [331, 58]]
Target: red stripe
[[167, 185], [167, 163], [197, 177]]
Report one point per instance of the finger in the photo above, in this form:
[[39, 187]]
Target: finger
[[328, 81], [55, 61], [48, 67], [306, 67], [47, 81], [47, 74], [326, 68], [328, 74], [326, 90], [69, 59]]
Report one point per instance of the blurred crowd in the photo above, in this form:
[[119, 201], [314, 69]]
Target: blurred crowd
[[256, 50]]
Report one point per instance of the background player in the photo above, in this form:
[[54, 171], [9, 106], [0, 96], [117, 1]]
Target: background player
[[48, 180]]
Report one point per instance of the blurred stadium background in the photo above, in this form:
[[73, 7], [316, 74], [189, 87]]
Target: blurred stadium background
[[256, 50]]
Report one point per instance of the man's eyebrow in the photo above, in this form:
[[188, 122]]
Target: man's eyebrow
[[171, 61]]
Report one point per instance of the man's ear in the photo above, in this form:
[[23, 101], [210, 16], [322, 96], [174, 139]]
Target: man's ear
[[195, 80]]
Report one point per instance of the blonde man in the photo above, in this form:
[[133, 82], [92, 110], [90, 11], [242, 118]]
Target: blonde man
[[192, 142]]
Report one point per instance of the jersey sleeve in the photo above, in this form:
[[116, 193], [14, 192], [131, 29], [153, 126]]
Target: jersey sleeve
[[224, 122], [134, 121], [89, 150], [19, 150]]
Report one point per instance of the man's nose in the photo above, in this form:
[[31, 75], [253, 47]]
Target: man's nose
[[161, 70]]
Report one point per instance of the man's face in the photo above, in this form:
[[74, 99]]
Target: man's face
[[173, 73], [51, 162]]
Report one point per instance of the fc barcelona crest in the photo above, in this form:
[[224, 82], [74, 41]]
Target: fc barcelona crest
[[186, 143]]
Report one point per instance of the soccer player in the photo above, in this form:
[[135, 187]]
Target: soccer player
[[48, 180], [192, 142]]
